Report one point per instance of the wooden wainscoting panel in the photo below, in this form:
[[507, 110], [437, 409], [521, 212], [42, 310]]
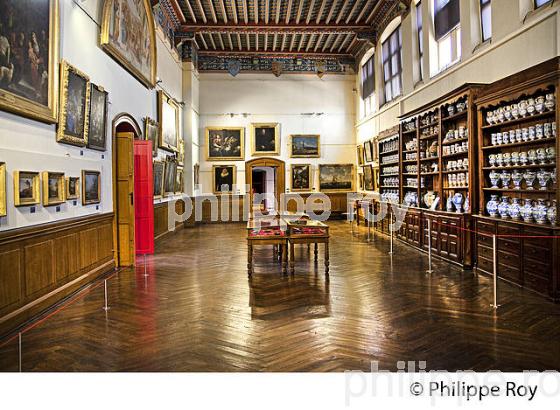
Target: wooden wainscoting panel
[[88, 247], [66, 257], [10, 278], [105, 241], [39, 267], [160, 219]]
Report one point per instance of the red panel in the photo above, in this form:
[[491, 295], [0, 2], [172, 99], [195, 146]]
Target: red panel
[[143, 197]]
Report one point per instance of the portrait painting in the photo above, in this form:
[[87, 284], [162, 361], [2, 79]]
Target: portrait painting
[[74, 110], [361, 181], [301, 177], [29, 58], [72, 187], [225, 143], [368, 151], [360, 153], [3, 206], [179, 180], [168, 117], [97, 133], [368, 178], [169, 177], [224, 177], [54, 189], [159, 171], [91, 187], [336, 177], [128, 35], [265, 138], [151, 133], [305, 146], [26, 188]]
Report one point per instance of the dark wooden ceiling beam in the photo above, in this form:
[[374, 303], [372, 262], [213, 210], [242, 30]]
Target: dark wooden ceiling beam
[[310, 11], [245, 12], [289, 11], [351, 12], [320, 13], [234, 8], [342, 10], [281, 27], [273, 54], [202, 13], [364, 9], [374, 11], [189, 7], [213, 12], [266, 11], [331, 11], [256, 11], [300, 9], [224, 11]]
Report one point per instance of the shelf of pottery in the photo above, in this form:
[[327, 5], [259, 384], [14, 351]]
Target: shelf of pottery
[[519, 158], [389, 168], [409, 162], [429, 153]]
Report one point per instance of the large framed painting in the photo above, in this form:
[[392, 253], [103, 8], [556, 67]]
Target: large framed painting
[[128, 35], [305, 146], [179, 180], [97, 132], [159, 172], [225, 143], [360, 153], [151, 133], [336, 177], [368, 178], [75, 94], [368, 151], [27, 189], [169, 177], [168, 117], [29, 38], [91, 187], [265, 138], [301, 177], [72, 188], [54, 188], [3, 206], [223, 178]]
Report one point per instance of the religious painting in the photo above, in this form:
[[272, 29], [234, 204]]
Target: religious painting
[[336, 177], [179, 180], [301, 177], [368, 178], [224, 177], [29, 58], [265, 138], [305, 146], [159, 172], [27, 189], [54, 190], [169, 177], [91, 187], [151, 133], [75, 95], [72, 187], [97, 133], [3, 206], [128, 35], [168, 117], [225, 143], [360, 153], [368, 151]]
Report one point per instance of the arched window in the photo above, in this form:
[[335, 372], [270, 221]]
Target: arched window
[[486, 19], [367, 84], [447, 27], [392, 65]]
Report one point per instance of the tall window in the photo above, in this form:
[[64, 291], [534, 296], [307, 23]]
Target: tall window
[[486, 19], [392, 65], [368, 87], [539, 3], [447, 31], [420, 39]]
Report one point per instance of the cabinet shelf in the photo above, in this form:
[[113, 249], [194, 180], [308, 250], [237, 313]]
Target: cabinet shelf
[[434, 123], [429, 137], [451, 188], [455, 116], [510, 167], [409, 161], [456, 154], [409, 132], [455, 171], [541, 141], [429, 159], [389, 163], [392, 151], [521, 191], [528, 118], [453, 141]]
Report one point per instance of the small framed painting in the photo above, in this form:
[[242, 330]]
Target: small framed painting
[[179, 180], [224, 177], [361, 181], [368, 151], [159, 172], [368, 178], [196, 174], [54, 188], [305, 146], [72, 187], [97, 133], [336, 177], [265, 138], [91, 187], [3, 209], [360, 153], [376, 179], [301, 177], [151, 133], [225, 143], [75, 92], [27, 189], [168, 117], [169, 177]]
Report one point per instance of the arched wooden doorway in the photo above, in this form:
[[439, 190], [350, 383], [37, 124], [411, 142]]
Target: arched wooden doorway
[[279, 176], [125, 131]]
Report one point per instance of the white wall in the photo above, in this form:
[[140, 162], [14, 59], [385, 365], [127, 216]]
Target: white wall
[[31, 146], [269, 99]]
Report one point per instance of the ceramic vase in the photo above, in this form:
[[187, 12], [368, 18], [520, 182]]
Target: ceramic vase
[[539, 211], [551, 213], [514, 209], [503, 207], [516, 177], [550, 102], [494, 178], [492, 206], [529, 177], [467, 204], [527, 211], [458, 202], [449, 205], [543, 178], [506, 178]]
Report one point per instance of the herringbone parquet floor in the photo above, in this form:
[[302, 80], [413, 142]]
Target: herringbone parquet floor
[[197, 311]]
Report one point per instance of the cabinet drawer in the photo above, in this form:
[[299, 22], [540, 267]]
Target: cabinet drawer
[[536, 268], [484, 252], [509, 273], [483, 239], [541, 253], [504, 229], [537, 284], [486, 227], [506, 245], [484, 264]]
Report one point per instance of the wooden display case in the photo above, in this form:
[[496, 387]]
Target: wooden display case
[[389, 162]]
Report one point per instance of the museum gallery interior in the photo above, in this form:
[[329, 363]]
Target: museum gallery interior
[[278, 185]]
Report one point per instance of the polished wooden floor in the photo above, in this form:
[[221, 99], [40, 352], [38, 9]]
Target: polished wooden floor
[[197, 311]]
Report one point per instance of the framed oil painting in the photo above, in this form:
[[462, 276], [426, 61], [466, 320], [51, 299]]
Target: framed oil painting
[[168, 117], [265, 138], [368, 178], [169, 177], [97, 133], [179, 180], [196, 174], [151, 133], [27, 189], [223, 178], [128, 35], [3, 207], [360, 153], [91, 187], [301, 177], [181, 153], [225, 143], [336, 177], [72, 187], [368, 151], [305, 146], [159, 172], [29, 41], [376, 179], [361, 181], [54, 188], [75, 94]]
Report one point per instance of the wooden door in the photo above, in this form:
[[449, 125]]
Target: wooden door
[[143, 198], [125, 198]]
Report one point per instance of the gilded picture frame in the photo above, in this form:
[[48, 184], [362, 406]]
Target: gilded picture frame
[[305, 146], [225, 143], [151, 133], [169, 176], [368, 151], [72, 188], [168, 122], [179, 180], [336, 177], [91, 187], [300, 173], [125, 52], [27, 188], [3, 201], [158, 176], [16, 102], [72, 129], [223, 175], [368, 178], [360, 154], [54, 188], [97, 127], [265, 138]]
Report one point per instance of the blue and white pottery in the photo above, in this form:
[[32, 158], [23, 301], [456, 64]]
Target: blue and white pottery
[[458, 202], [492, 206], [527, 211], [467, 204], [543, 177], [529, 177], [514, 209], [516, 177], [494, 178], [449, 204], [506, 178], [523, 158], [551, 213], [503, 207], [539, 211]]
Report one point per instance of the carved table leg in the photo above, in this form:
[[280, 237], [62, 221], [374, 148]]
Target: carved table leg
[[274, 252], [250, 258], [285, 258], [316, 251], [292, 261], [326, 258]]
